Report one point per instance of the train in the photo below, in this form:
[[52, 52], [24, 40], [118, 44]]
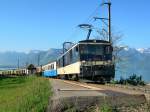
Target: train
[[88, 59]]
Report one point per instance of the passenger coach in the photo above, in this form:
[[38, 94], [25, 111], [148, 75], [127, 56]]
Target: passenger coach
[[49, 70]]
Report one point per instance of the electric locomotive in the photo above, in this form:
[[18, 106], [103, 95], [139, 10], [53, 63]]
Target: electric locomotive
[[88, 59]]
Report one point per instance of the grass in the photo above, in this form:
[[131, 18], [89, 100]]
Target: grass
[[24, 94]]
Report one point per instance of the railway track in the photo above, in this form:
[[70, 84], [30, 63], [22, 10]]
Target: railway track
[[74, 86], [98, 87], [110, 88], [83, 95], [94, 86]]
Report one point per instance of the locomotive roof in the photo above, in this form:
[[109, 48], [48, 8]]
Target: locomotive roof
[[94, 41]]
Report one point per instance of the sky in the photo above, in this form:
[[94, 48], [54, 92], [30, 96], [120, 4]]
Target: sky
[[43, 24]]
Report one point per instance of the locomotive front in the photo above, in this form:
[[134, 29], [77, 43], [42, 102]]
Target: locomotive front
[[96, 60]]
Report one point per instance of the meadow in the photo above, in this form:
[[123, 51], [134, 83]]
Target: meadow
[[24, 94]]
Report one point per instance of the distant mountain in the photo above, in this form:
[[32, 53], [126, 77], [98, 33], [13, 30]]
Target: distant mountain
[[132, 60], [11, 59], [144, 50]]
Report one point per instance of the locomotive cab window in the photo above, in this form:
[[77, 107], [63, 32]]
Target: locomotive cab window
[[93, 52]]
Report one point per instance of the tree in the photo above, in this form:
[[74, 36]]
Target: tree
[[31, 69], [119, 60]]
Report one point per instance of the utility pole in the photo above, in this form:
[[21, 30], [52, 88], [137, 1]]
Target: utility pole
[[38, 60], [108, 19], [26, 64], [18, 62]]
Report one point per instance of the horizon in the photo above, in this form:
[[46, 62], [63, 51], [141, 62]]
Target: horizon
[[26, 52], [42, 24]]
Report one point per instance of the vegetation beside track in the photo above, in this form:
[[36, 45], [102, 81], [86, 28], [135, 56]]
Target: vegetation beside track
[[24, 94], [134, 80], [106, 108]]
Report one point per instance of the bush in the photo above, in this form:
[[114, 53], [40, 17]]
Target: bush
[[122, 81], [133, 80]]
